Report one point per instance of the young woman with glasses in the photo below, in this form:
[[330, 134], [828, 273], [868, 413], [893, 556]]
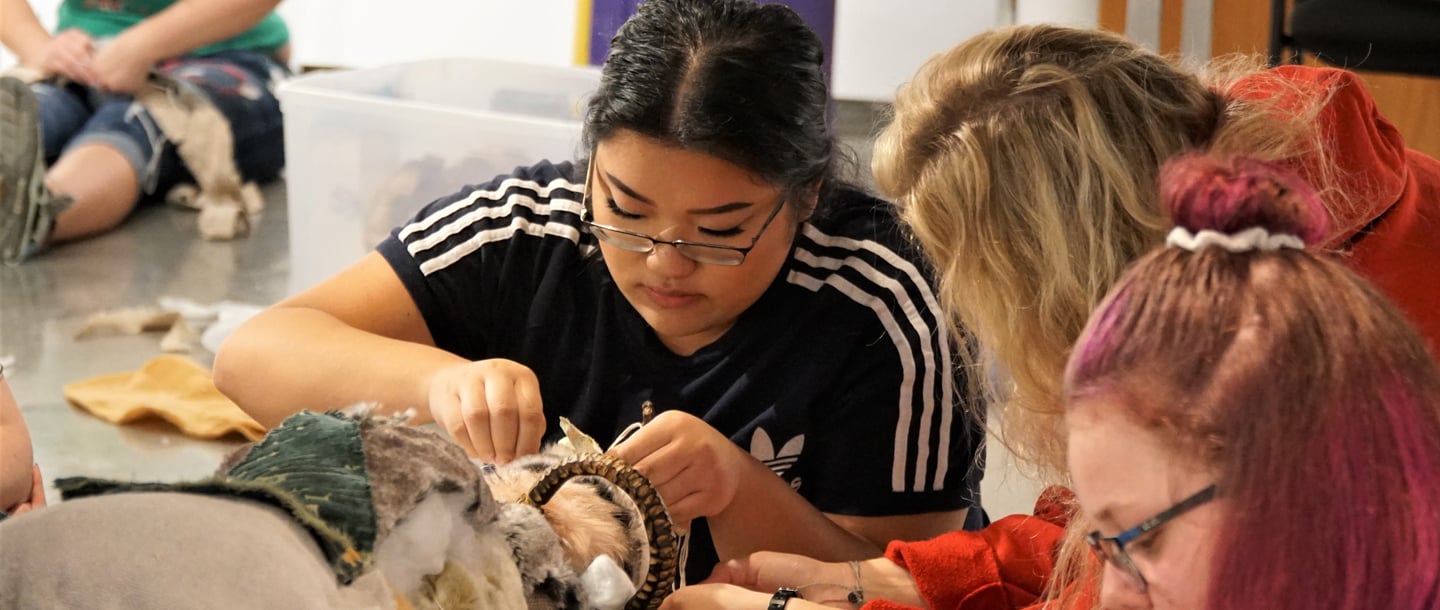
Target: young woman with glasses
[[1237, 366], [705, 258], [1249, 425]]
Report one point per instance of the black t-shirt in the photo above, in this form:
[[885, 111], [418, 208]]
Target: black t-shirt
[[842, 377]]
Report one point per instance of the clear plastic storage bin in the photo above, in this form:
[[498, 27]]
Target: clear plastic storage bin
[[365, 149]]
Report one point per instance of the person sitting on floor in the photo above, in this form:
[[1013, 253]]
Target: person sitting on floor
[[76, 150]]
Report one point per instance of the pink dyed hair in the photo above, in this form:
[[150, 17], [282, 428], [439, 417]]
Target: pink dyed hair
[[1308, 392]]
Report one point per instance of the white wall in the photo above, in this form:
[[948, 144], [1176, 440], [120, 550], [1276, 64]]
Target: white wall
[[878, 45], [364, 33], [1075, 13]]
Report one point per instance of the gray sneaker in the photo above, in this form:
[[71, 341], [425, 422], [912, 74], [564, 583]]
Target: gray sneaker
[[27, 211]]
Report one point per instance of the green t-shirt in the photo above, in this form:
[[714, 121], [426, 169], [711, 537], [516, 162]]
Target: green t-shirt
[[106, 18]]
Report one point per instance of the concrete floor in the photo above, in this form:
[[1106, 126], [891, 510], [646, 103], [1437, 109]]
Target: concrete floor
[[157, 253]]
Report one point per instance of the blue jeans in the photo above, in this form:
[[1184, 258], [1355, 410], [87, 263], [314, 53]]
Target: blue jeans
[[239, 84]]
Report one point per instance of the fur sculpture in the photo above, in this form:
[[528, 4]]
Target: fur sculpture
[[402, 518]]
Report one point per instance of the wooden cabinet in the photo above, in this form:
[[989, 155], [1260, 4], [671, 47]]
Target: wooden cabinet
[[1412, 103]]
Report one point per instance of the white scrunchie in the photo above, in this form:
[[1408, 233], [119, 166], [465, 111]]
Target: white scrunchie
[[1254, 238]]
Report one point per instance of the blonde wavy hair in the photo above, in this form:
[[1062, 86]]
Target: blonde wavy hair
[[1025, 161]]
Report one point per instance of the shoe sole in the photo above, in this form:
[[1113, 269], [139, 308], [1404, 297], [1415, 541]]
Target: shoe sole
[[20, 156]]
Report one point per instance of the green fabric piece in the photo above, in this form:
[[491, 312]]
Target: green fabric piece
[[118, 15], [312, 465], [319, 459]]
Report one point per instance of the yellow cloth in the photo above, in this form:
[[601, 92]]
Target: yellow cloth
[[170, 387]]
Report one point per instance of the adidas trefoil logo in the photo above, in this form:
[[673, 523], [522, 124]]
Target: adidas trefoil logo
[[764, 450]]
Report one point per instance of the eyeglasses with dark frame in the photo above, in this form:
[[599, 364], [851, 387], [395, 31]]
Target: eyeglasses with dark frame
[[709, 254], [1112, 549]]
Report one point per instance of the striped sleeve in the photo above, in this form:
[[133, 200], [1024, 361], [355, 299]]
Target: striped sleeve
[[901, 298], [477, 257], [454, 227]]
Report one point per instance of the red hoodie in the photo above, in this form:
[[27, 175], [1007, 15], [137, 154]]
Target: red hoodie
[[1003, 566], [1390, 235]]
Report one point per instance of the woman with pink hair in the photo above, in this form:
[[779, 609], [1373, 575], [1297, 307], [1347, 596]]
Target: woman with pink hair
[[1250, 421]]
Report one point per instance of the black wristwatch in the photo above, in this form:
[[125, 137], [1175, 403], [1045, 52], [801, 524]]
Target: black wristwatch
[[782, 597]]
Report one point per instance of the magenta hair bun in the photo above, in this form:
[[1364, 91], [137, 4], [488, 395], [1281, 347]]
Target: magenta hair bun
[[1230, 196]]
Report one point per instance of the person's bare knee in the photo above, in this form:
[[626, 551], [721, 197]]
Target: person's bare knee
[[102, 183]]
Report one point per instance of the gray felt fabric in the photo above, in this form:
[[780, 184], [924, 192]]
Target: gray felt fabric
[[109, 551]]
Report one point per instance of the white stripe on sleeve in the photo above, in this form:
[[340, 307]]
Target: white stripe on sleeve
[[942, 370]]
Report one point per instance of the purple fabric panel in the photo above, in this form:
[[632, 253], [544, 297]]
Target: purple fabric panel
[[820, 14], [607, 16], [605, 19]]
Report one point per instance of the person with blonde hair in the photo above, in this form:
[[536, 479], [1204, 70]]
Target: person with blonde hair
[[1026, 161]]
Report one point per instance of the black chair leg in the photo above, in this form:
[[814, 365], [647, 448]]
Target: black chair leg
[[1278, 39]]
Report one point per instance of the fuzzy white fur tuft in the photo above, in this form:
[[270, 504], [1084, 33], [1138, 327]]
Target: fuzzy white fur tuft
[[607, 587], [437, 531]]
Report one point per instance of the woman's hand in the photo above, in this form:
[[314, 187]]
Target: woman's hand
[[823, 582], [122, 66], [70, 54], [716, 597], [819, 581], [491, 408], [729, 597], [694, 467]]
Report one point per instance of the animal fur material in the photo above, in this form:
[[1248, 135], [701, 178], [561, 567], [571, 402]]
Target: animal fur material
[[396, 516]]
